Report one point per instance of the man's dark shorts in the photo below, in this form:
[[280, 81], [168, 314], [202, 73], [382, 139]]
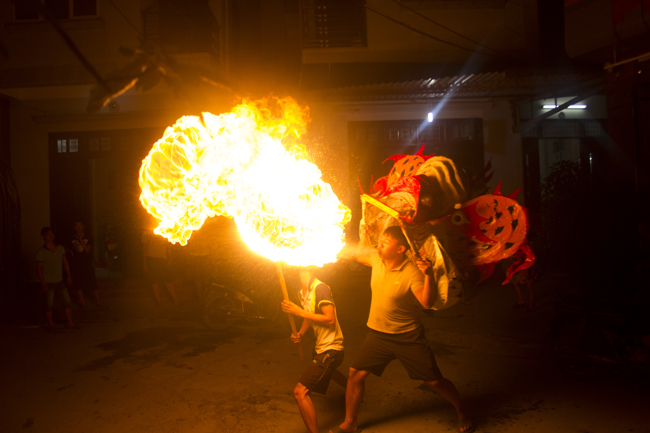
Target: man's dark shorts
[[411, 349], [60, 291], [317, 376]]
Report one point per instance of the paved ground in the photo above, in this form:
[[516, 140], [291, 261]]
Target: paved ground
[[140, 367]]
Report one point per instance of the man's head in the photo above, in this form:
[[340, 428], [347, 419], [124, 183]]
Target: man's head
[[48, 234], [308, 270], [392, 243], [78, 226], [306, 273]]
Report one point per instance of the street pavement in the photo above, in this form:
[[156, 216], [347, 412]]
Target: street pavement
[[140, 367]]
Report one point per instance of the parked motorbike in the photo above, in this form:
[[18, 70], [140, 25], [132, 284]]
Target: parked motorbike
[[592, 336], [224, 306]]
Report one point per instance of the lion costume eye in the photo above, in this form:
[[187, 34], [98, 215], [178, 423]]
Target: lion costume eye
[[458, 218]]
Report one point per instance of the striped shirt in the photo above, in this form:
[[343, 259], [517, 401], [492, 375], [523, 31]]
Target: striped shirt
[[318, 295]]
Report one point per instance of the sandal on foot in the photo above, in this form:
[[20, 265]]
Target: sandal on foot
[[465, 423]]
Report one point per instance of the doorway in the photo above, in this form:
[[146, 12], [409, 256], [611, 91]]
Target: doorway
[[94, 179]]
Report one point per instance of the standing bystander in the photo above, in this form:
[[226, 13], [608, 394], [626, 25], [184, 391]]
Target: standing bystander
[[82, 265], [50, 262]]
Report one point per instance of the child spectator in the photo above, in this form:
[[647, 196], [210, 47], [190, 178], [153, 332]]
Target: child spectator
[[50, 259], [82, 266]]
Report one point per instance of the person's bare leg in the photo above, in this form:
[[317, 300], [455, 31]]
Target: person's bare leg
[[96, 297], [446, 389], [82, 302], [340, 378], [353, 396], [462, 298], [301, 394], [68, 317], [199, 289], [520, 298], [48, 317], [172, 292], [156, 291], [531, 294]]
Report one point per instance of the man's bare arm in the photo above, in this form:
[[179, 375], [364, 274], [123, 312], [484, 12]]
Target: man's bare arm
[[66, 266], [327, 318], [39, 271], [359, 252], [426, 295]]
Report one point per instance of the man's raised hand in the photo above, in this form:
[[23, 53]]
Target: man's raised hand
[[424, 264]]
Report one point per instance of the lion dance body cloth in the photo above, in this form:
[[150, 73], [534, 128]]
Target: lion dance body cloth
[[429, 198]]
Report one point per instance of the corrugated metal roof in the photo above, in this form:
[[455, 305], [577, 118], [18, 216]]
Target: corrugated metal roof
[[491, 85]]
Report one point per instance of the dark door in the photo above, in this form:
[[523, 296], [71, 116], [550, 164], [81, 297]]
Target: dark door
[[94, 179]]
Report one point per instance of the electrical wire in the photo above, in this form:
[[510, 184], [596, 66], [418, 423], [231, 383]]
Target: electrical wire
[[446, 28], [423, 33], [431, 36], [125, 18], [505, 27]]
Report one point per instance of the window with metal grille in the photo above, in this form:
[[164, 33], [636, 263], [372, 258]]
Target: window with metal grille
[[61, 146], [182, 27], [59, 9], [333, 24]]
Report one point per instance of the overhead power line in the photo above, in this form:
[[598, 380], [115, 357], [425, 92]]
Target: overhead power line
[[446, 28], [124, 16], [428, 35]]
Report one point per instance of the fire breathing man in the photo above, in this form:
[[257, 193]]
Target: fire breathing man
[[395, 329], [318, 312]]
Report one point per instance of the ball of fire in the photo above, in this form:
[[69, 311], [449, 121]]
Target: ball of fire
[[249, 165]]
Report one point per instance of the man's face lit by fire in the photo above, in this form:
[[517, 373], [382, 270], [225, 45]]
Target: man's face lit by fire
[[388, 248]]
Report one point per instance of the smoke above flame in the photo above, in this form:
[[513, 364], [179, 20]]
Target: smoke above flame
[[249, 165]]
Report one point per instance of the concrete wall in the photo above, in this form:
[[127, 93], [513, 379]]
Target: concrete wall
[[504, 147], [29, 160], [38, 55]]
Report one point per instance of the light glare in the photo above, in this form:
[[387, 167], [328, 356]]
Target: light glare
[[573, 107]]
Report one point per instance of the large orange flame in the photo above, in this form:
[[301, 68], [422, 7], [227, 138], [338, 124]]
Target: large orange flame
[[250, 165]]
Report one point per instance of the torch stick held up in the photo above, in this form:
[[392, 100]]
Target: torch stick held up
[[285, 294], [392, 212]]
